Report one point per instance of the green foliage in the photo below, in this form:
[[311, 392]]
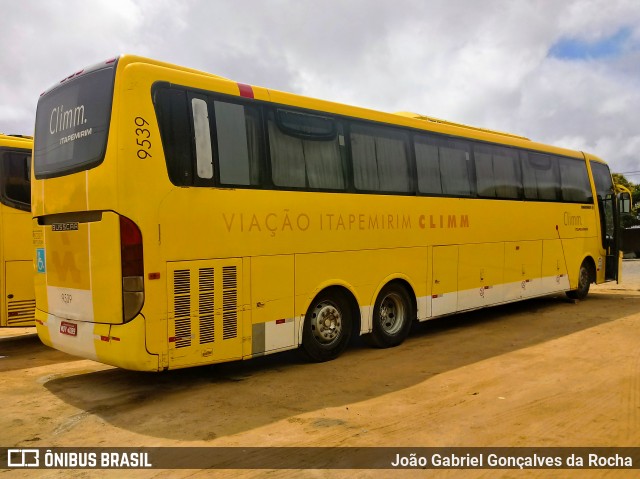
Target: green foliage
[[635, 194], [628, 220], [631, 219], [619, 179]]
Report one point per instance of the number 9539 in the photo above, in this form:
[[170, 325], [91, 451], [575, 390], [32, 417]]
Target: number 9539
[[143, 138]]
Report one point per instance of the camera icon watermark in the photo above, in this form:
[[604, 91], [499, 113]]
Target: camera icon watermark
[[23, 458]]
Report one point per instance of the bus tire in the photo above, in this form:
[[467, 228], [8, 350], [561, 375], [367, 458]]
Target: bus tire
[[584, 282], [327, 326], [393, 314]]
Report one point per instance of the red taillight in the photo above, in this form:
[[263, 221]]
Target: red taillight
[[131, 248], [132, 268]]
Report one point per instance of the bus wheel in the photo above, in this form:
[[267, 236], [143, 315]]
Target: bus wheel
[[584, 282], [327, 326], [393, 314]]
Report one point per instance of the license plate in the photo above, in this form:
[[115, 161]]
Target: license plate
[[69, 329]]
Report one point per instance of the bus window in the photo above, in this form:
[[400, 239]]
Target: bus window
[[428, 163], [305, 151], [239, 143], [454, 168], [541, 178], [605, 194], [202, 134], [16, 182], [173, 120], [73, 121], [380, 160], [443, 166], [497, 172], [576, 187]]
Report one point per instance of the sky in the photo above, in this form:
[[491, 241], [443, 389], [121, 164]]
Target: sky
[[564, 72]]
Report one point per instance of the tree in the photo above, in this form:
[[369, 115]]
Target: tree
[[635, 195], [631, 219], [619, 179]]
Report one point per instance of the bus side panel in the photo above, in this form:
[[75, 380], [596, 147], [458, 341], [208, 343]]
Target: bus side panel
[[363, 272], [272, 306], [554, 267], [205, 311], [480, 275], [523, 269], [123, 345], [17, 225], [444, 289], [20, 302], [17, 280]]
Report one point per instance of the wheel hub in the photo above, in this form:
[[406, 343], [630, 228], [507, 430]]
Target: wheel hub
[[326, 323], [392, 314]]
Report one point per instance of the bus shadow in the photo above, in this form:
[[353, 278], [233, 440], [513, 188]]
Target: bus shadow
[[205, 403], [27, 351]]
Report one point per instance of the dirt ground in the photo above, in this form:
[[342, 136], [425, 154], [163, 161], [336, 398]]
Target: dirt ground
[[544, 372]]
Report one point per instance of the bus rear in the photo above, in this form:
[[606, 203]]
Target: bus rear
[[16, 275], [88, 255]]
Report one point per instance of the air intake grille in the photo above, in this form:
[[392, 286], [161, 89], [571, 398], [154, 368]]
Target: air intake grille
[[206, 305], [229, 302], [204, 314], [21, 313], [182, 307]]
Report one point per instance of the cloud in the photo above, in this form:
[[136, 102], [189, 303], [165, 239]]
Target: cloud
[[564, 73], [46, 41]]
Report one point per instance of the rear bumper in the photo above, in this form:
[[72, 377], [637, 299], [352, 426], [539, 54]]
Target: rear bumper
[[121, 345]]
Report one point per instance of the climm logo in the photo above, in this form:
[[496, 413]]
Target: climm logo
[[442, 221], [62, 120], [572, 220]]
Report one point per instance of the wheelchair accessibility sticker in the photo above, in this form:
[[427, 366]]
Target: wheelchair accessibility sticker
[[41, 260]]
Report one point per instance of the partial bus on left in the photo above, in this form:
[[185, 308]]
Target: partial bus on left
[[16, 276]]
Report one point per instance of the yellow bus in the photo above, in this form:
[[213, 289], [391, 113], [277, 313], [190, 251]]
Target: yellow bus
[[16, 277], [183, 219]]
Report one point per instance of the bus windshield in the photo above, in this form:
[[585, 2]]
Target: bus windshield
[[72, 123]]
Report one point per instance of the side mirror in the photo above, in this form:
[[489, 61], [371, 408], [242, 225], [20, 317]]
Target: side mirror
[[624, 201]]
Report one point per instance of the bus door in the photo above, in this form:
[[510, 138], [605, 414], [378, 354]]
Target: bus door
[[609, 224], [610, 235]]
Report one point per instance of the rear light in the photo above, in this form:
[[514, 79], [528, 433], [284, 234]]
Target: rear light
[[132, 268], [131, 247]]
